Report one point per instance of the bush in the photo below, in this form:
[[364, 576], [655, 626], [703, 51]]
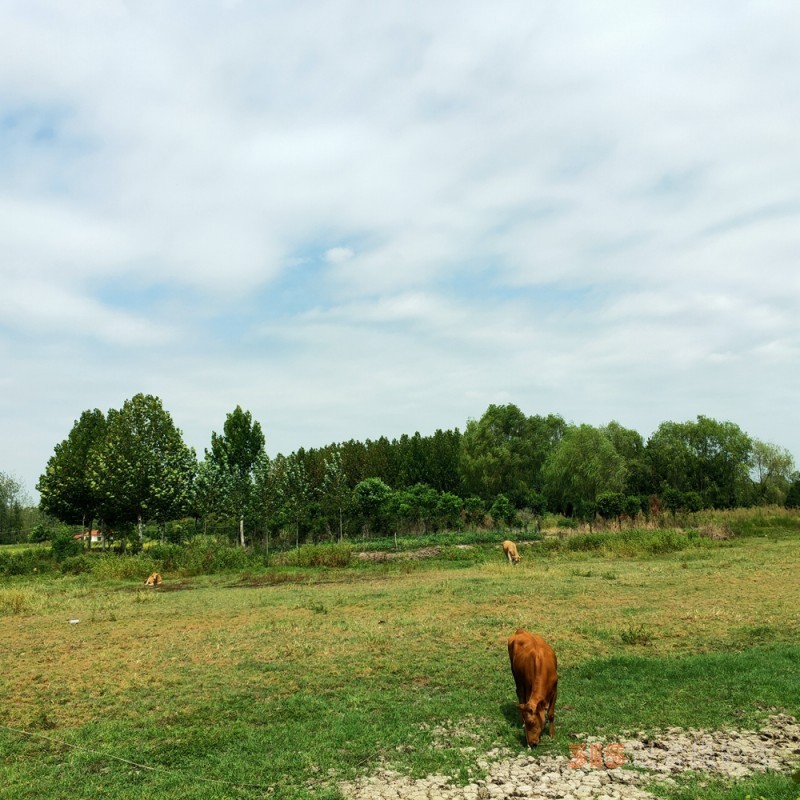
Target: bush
[[206, 555], [26, 562], [587, 541], [630, 543], [502, 511], [566, 522], [117, 567], [76, 565], [319, 555], [64, 545], [170, 557], [39, 535]]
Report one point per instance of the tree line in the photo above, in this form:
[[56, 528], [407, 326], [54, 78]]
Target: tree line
[[130, 466]]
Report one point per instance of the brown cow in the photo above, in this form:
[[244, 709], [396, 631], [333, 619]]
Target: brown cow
[[533, 663], [153, 580], [510, 549]]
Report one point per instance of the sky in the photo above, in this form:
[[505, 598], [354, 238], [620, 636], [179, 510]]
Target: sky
[[357, 219]]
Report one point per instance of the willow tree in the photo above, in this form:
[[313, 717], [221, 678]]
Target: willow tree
[[504, 452], [582, 466]]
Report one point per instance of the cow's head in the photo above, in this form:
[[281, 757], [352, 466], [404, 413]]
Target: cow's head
[[533, 718]]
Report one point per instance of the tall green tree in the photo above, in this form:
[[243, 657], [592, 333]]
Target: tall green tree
[[10, 509], [370, 498], [630, 445], [706, 456], [236, 451], [444, 453], [65, 489], [793, 492], [497, 455], [266, 498], [583, 465], [142, 469], [336, 492], [772, 468], [212, 491], [295, 493]]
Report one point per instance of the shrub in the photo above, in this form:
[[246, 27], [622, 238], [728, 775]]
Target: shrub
[[17, 601], [26, 562], [64, 545], [115, 567], [207, 555], [566, 522], [502, 511], [39, 535], [610, 505], [587, 541], [76, 565], [170, 557], [319, 555], [474, 511]]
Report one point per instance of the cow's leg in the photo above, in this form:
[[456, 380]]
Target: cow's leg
[[551, 711], [523, 690], [518, 684]]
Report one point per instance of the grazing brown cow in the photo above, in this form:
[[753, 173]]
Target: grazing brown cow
[[510, 549], [533, 663], [153, 580]]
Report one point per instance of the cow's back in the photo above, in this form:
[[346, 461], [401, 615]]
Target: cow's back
[[532, 658]]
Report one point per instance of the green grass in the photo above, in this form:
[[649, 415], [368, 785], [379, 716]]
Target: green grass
[[296, 677], [769, 786]]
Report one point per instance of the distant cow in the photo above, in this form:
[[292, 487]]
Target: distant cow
[[153, 580], [510, 549], [533, 664]]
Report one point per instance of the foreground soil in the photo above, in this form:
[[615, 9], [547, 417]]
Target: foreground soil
[[600, 770]]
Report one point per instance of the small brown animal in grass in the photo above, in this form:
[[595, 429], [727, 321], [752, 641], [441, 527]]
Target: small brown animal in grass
[[153, 580], [533, 664], [510, 549]]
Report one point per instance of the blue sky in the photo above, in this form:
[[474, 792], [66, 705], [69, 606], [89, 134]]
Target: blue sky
[[356, 219]]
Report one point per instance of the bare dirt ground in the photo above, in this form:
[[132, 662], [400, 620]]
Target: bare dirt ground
[[383, 555], [600, 770]]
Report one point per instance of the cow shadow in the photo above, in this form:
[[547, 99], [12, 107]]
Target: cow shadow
[[511, 713]]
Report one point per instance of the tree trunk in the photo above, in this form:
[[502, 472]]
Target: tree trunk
[[341, 536], [141, 530], [241, 530]]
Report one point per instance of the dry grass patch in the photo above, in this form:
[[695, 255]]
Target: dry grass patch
[[279, 638]]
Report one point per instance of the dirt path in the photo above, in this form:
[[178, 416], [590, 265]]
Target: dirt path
[[593, 772]]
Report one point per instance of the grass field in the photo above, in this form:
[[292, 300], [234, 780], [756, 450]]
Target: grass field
[[285, 687]]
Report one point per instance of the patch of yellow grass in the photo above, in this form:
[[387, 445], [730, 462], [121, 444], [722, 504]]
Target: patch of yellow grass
[[18, 601], [175, 647]]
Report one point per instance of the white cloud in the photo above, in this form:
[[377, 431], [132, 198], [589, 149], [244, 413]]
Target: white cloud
[[338, 255], [582, 209]]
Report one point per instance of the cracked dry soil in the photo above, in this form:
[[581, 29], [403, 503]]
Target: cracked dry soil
[[600, 770]]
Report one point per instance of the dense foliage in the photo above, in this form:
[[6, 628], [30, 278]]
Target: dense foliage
[[130, 466], [10, 508]]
